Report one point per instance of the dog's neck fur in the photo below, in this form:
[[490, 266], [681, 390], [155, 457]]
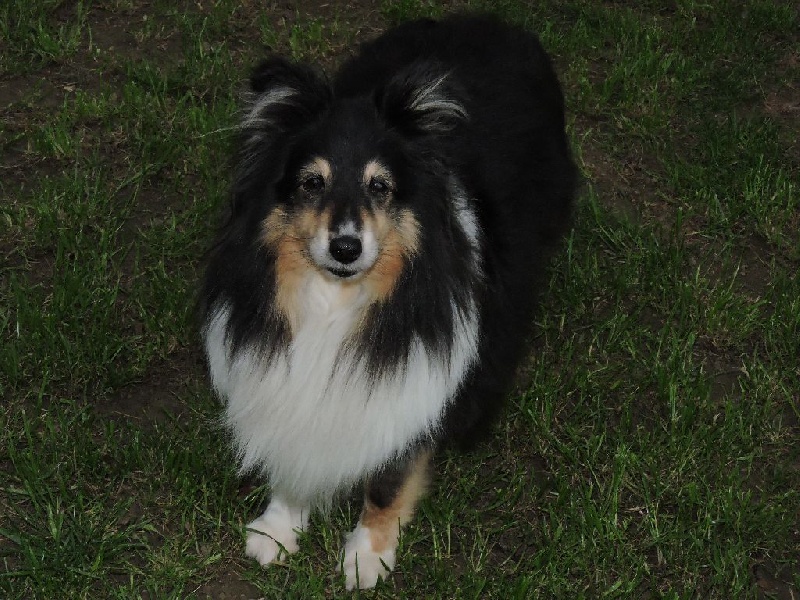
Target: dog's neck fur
[[290, 416]]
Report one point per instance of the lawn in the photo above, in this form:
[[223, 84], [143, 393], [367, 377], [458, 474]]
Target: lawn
[[652, 446]]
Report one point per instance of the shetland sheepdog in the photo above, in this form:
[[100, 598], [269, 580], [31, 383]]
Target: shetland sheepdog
[[369, 297]]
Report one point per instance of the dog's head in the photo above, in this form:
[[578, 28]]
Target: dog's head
[[339, 185]]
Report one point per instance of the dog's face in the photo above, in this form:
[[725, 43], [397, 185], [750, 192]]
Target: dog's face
[[351, 215], [339, 206], [338, 202], [343, 201]]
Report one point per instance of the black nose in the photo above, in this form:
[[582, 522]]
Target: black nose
[[345, 248]]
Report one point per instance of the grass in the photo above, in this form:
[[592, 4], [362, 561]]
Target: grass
[[651, 449]]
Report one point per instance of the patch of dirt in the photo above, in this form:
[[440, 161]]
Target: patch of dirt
[[133, 34], [775, 583], [624, 186], [30, 89], [782, 99], [159, 396], [228, 588]]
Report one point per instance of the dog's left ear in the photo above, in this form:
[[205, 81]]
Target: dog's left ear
[[284, 96], [423, 99]]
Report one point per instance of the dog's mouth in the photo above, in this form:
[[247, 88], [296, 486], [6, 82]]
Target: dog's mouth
[[343, 273]]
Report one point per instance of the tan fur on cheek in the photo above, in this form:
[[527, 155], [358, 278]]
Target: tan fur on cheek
[[384, 523], [398, 239], [287, 237]]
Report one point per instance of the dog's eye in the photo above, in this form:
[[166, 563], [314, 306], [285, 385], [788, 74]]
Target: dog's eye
[[312, 183], [379, 187]]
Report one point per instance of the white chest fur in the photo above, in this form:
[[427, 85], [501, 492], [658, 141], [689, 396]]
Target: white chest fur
[[316, 426]]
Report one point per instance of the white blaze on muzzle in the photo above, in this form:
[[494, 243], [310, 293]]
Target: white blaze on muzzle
[[346, 252]]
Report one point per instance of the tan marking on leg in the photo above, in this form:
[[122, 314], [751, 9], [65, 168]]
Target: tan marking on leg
[[398, 239], [384, 523]]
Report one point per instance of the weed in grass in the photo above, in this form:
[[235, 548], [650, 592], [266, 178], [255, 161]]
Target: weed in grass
[[306, 38], [34, 35], [57, 519]]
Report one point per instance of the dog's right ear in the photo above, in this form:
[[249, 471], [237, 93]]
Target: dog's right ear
[[423, 99], [283, 96]]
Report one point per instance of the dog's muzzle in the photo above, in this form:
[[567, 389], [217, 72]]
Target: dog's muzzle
[[344, 254]]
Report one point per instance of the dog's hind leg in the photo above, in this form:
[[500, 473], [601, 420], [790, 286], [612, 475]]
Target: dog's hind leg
[[273, 535], [390, 499]]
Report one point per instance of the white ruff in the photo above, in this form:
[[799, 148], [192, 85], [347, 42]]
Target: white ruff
[[315, 429]]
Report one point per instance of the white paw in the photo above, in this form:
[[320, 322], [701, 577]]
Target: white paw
[[362, 565], [273, 535], [268, 545]]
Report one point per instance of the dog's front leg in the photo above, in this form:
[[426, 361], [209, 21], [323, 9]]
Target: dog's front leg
[[273, 535], [389, 502]]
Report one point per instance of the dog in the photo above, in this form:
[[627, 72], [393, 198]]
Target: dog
[[369, 298]]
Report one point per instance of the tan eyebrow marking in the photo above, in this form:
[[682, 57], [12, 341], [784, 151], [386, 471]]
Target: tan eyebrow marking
[[318, 166], [377, 169]]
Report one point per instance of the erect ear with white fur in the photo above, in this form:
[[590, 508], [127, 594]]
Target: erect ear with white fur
[[283, 96], [423, 98]]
